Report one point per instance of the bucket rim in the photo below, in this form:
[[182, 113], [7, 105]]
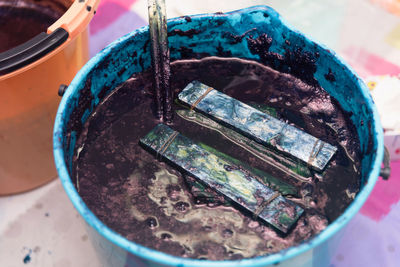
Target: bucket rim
[[71, 24], [169, 260]]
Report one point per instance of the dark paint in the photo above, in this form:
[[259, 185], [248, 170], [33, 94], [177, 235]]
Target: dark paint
[[112, 135]]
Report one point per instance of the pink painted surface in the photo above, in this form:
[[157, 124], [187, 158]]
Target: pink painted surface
[[384, 195], [368, 64], [108, 12], [113, 19]]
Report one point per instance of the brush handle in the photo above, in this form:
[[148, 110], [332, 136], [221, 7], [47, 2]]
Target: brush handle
[[160, 58]]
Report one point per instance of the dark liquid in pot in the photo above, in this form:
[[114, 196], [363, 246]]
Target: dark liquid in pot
[[20, 21], [149, 203]]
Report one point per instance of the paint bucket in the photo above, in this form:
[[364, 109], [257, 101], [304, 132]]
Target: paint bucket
[[116, 63], [31, 71]]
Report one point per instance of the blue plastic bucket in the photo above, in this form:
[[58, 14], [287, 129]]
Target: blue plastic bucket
[[130, 54]]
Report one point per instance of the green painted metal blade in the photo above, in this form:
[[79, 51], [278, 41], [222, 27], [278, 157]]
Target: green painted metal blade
[[205, 195], [257, 125], [267, 179], [294, 168], [227, 179]]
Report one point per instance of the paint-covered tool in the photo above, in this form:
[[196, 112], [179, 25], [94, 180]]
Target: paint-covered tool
[[160, 61], [255, 124], [233, 182], [205, 195], [294, 168]]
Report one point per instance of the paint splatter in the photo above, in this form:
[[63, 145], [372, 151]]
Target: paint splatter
[[27, 258], [84, 237], [391, 248], [340, 257]]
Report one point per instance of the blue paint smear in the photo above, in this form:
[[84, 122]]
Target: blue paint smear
[[27, 258]]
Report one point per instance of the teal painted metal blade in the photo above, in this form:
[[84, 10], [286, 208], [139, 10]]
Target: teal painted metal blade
[[227, 179], [255, 124]]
